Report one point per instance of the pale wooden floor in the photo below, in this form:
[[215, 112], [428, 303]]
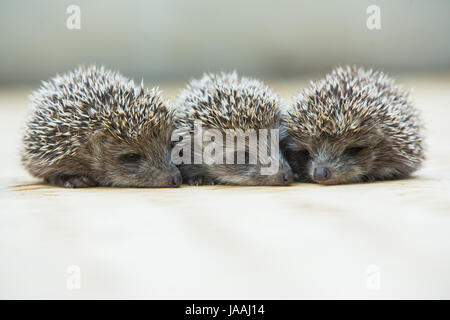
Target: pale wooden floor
[[380, 240]]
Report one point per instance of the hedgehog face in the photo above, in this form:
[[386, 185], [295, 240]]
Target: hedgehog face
[[334, 160], [143, 162], [247, 169], [353, 125], [250, 174]]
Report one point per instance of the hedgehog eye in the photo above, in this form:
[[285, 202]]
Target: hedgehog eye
[[131, 158], [305, 153], [353, 151]]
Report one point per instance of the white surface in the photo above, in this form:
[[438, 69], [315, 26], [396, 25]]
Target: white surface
[[304, 241]]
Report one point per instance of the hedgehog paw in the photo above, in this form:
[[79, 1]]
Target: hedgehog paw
[[209, 181], [67, 181], [195, 181], [200, 181]]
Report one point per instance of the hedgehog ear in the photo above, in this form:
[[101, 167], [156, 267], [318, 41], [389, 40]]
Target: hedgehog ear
[[374, 137], [99, 137], [97, 140]]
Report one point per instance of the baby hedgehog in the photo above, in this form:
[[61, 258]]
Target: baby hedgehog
[[353, 126], [228, 105], [94, 127]]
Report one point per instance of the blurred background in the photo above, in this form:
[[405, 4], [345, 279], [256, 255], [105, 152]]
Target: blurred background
[[174, 40]]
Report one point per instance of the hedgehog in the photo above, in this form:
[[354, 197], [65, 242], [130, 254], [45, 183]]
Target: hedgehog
[[231, 106], [95, 127], [353, 126]]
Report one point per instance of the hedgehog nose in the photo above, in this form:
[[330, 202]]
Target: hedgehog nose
[[322, 174], [176, 180], [286, 176]]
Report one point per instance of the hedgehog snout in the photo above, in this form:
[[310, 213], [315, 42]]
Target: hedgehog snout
[[286, 177], [176, 179], [322, 174], [283, 177]]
